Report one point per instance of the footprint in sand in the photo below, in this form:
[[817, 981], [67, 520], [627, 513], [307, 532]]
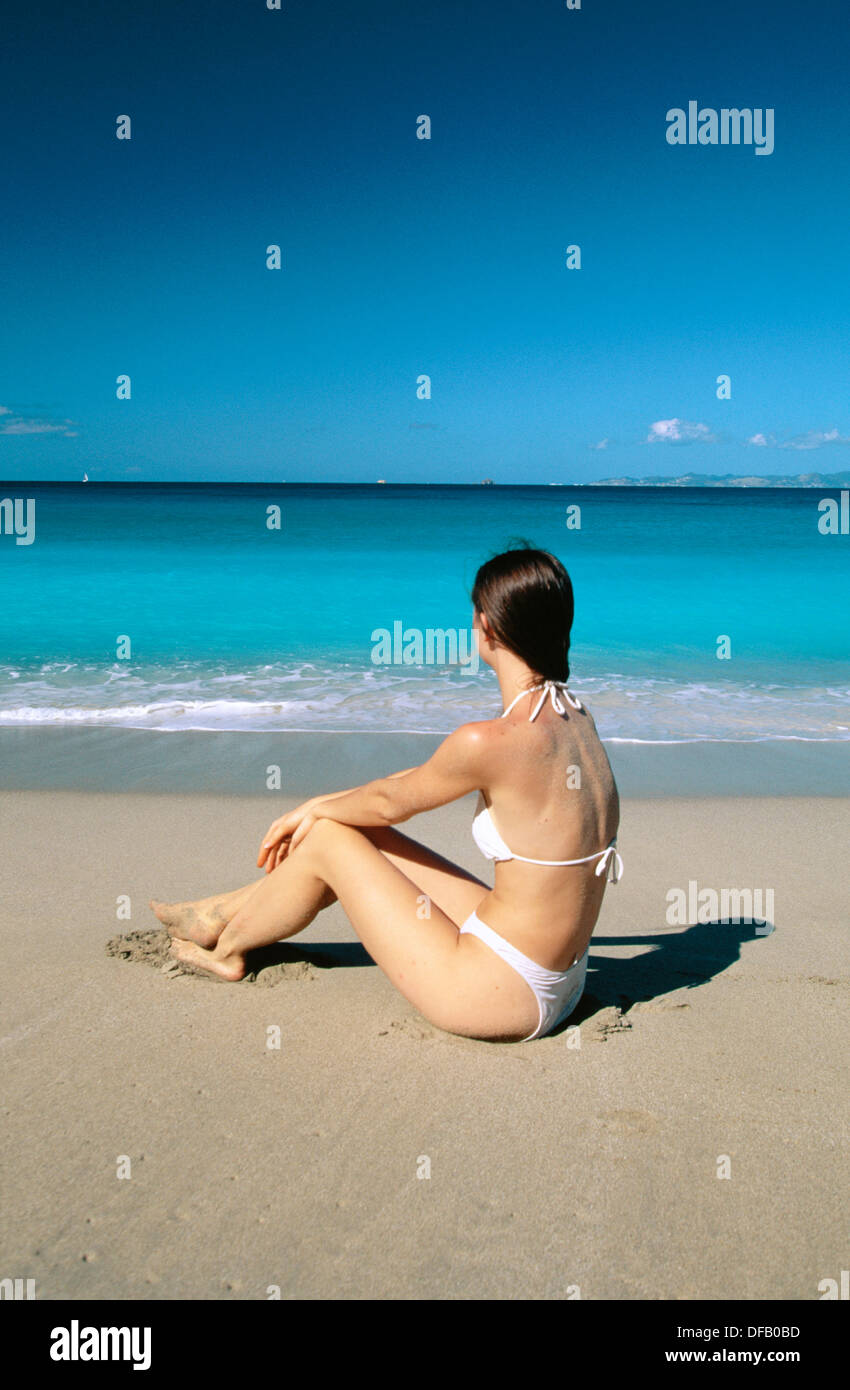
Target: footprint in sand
[[600, 1026], [412, 1028], [276, 974], [422, 1031], [596, 1029], [628, 1121], [144, 947], [660, 1006], [269, 969]]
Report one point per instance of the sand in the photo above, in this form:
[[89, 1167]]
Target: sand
[[553, 1167]]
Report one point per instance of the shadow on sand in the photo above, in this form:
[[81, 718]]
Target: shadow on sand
[[328, 956], [679, 958]]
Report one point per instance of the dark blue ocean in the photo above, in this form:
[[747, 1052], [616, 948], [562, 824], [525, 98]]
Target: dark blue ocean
[[179, 607]]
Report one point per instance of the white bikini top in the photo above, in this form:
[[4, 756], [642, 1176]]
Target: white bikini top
[[487, 837]]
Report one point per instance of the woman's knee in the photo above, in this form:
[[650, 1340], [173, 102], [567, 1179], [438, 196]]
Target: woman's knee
[[322, 840], [323, 832]]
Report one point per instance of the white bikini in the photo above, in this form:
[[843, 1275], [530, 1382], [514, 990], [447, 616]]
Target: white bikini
[[557, 991]]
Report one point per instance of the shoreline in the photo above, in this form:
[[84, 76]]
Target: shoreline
[[237, 763]]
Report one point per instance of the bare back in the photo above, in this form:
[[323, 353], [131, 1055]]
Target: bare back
[[551, 795]]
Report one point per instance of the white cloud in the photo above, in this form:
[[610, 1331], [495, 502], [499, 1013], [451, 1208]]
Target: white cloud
[[679, 432], [815, 439], [603, 444], [811, 439], [21, 424]]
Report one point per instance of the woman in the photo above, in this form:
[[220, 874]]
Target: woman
[[507, 963]]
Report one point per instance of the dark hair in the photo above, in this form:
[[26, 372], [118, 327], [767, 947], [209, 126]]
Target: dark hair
[[527, 598]]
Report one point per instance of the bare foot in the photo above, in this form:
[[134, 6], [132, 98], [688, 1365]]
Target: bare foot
[[188, 953], [201, 922]]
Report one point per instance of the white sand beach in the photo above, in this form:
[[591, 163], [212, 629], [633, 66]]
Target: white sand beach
[[554, 1167]]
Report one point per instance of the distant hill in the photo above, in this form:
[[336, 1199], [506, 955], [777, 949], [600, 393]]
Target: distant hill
[[731, 480]]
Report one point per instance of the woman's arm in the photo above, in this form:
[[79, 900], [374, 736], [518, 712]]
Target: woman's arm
[[307, 807], [457, 767], [284, 827], [334, 796]]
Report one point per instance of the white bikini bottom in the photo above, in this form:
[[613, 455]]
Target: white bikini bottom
[[557, 991]]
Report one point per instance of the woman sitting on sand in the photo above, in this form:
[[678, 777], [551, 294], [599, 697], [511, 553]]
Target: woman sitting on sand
[[506, 963]]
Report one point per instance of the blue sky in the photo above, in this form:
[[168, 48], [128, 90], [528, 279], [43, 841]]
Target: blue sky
[[404, 257]]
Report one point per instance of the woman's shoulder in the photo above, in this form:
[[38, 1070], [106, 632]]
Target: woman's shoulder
[[478, 733], [487, 740], [468, 754]]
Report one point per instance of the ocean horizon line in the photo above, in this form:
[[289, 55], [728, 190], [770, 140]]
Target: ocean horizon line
[[736, 483]]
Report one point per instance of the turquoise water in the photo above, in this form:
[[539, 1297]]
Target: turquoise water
[[233, 625]]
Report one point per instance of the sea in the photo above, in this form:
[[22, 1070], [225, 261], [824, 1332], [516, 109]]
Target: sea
[[716, 614]]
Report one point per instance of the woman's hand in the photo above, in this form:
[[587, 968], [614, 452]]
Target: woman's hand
[[276, 841], [285, 833]]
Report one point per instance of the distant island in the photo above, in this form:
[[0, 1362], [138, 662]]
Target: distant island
[[732, 480]]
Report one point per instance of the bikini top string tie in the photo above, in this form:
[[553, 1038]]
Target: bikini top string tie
[[550, 690], [611, 861], [554, 690]]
